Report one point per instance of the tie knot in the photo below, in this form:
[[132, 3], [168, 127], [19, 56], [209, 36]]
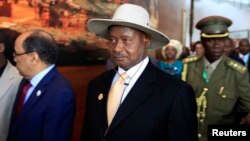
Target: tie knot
[[26, 86], [27, 83], [122, 77]]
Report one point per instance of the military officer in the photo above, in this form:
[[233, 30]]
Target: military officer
[[220, 83]]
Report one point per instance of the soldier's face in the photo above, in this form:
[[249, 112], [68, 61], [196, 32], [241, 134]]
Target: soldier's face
[[214, 48]]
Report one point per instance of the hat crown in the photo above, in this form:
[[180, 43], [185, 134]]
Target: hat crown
[[132, 14], [214, 26]]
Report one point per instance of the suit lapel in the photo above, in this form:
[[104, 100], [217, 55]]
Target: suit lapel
[[138, 94], [104, 86], [34, 97]]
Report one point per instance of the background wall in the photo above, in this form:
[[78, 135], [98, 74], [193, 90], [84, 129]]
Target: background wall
[[239, 14], [174, 21]]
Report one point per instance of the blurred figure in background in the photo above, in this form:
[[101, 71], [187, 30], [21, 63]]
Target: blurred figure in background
[[198, 49], [185, 53], [244, 53], [244, 49], [171, 52], [9, 81], [229, 50]]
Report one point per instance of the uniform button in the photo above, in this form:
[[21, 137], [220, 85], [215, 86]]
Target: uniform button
[[199, 135]]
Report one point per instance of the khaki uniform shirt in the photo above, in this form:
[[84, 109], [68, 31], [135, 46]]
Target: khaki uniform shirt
[[227, 87]]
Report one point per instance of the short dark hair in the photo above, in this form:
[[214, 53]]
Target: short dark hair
[[244, 40], [44, 44], [8, 37]]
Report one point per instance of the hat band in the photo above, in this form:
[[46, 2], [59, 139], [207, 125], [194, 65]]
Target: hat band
[[214, 35]]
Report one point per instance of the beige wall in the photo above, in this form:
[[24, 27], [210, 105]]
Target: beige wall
[[170, 18], [171, 21]]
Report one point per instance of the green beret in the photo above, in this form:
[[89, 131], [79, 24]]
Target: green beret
[[214, 26]]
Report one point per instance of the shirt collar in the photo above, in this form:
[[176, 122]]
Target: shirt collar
[[134, 69], [214, 64], [38, 77]]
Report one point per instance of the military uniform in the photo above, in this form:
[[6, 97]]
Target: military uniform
[[227, 91], [227, 85]]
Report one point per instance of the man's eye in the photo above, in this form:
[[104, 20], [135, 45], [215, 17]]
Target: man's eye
[[112, 41], [126, 41]]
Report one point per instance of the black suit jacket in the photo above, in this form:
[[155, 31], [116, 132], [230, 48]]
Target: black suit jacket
[[159, 107]]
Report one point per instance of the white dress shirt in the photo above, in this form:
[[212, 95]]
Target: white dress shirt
[[134, 73]]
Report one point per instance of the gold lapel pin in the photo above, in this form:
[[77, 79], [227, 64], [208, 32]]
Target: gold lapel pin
[[100, 96]]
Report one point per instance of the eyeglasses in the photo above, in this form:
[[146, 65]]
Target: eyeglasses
[[19, 54]]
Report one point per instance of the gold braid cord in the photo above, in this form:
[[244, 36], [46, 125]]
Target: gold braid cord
[[184, 72], [202, 105], [201, 110]]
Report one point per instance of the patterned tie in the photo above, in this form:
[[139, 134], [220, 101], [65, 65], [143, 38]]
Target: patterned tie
[[22, 96], [115, 95]]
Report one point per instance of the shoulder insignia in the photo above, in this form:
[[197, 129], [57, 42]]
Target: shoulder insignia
[[237, 66], [190, 59]]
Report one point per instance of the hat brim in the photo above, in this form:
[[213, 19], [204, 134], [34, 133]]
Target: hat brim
[[100, 28], [204, 35]]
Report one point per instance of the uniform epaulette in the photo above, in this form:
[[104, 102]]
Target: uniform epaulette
[[236, 66], [190, 59]]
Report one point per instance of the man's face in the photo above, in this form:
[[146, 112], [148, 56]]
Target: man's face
[[22, 58], [127, 46], [214, 48], [244, 47]]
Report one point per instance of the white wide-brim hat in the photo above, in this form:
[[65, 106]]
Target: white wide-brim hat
[[133, 16], [176, 44]]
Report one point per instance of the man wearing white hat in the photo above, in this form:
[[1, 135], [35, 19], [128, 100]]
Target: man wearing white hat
[[136, 101]]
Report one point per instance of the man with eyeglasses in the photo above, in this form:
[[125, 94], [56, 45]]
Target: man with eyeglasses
[[44, 109]]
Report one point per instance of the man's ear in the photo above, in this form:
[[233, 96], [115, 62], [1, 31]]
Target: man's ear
[[2, 47], [35, 58], [147, 40]]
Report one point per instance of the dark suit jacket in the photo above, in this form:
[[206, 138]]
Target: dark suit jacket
[[236, 57], [48, 116], [159, 107]]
